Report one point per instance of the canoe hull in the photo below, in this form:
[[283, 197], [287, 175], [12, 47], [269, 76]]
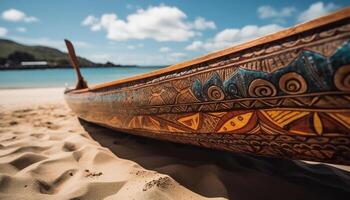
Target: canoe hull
[[287, 98]]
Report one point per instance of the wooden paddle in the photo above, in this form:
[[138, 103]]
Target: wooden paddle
[[81, 84]]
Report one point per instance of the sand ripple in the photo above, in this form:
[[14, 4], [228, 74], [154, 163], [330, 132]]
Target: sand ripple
[[45, 154]]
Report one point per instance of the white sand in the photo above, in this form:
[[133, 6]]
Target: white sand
[[19, 98], [46, 154]]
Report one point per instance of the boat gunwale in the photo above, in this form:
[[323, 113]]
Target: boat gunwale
[[339, 15]]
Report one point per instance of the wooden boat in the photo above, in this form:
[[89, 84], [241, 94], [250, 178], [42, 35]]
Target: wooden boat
[[284, 95]]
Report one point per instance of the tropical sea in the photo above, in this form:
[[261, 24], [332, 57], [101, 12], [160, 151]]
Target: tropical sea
[[46, 78]]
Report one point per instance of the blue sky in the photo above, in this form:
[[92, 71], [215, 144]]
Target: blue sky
[[151, 32]]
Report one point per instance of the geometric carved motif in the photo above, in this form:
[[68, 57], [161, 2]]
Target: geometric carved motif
[[236, 122], [283, 117], [273, 120], [191, 121]]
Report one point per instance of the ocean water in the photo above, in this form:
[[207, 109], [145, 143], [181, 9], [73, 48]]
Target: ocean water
[[65, 77]]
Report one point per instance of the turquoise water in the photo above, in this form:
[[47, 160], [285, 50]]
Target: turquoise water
[[62, 77]]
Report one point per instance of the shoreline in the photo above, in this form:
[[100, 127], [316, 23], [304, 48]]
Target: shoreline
[[30, 97]]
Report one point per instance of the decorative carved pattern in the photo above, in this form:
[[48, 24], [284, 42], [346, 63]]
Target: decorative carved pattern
[[261, 88], [215, 93], [292, 83], [342, 78], [288, 98]]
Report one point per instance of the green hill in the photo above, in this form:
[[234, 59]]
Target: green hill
[[12, 53]]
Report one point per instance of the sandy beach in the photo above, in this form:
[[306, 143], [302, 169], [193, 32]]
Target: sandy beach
[[47, 153]]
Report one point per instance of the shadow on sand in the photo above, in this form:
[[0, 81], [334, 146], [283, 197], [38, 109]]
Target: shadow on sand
[[214, 173]]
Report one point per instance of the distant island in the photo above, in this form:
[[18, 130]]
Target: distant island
[[18, 56]]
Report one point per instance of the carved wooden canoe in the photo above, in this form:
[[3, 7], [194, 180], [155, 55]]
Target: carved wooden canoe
[[284, 95]]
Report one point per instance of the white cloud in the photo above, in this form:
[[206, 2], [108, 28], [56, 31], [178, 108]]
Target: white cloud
[[89, 20], [17, 16], [267, 11], [21, 29], [165, 49], [229, 37], [93, 22], [201, 24], [194, 45], [3, 31], [315, 10], [160, 23]]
